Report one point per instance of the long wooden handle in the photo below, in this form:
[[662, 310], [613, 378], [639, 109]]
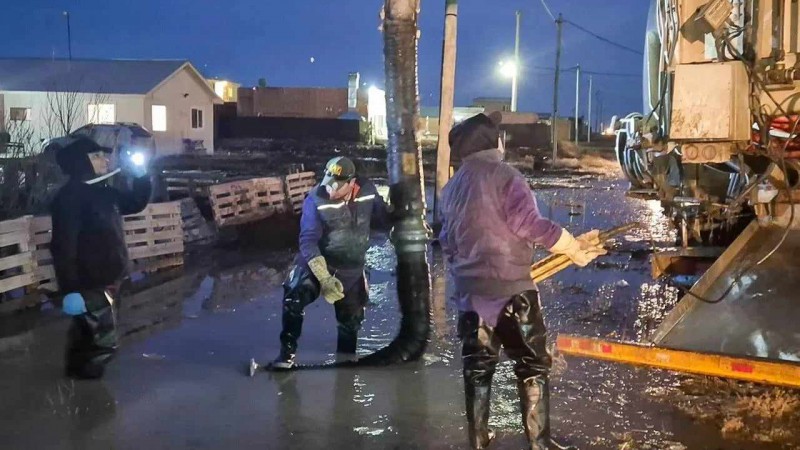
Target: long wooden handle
[[547, 267]]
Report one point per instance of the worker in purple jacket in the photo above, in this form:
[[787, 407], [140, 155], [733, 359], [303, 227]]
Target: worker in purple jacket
[[490, 223]]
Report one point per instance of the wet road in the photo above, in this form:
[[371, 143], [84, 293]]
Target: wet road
[[185, 387]]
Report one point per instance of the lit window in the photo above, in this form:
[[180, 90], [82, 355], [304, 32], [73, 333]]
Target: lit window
[[159, 118], [19, 114], [219, 88], [197, 118], [102, 113]]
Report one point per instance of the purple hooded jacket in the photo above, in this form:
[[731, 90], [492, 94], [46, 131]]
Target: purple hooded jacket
[[490, 223]]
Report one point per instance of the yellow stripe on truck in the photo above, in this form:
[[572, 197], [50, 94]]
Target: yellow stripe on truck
[[781, 373]]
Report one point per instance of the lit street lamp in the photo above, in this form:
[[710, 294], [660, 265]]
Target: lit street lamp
[[509, 69]]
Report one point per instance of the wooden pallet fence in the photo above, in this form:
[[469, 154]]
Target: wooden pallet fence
[[244, 201], [195, 228], [42, 234], [191, 183], [155, 237], [297, 186], [269, 194], [17, 261]]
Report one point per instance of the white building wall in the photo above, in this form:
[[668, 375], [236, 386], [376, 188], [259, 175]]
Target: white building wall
[[127, 108], [180, 94]]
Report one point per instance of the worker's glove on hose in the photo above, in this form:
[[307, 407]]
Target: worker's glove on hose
[[581, 251], [332, 289], [73, 304]]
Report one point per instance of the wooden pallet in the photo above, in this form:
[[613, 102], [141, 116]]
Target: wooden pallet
[[196, 230], [17, 262], [155, 237], [240, 202], [192, 183], [297, 187], [41, 234], [269, 194]]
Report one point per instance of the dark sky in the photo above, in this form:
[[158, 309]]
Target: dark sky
[[244, 40]]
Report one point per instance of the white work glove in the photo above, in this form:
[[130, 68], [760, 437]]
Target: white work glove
[[581, 251], [330, 286]]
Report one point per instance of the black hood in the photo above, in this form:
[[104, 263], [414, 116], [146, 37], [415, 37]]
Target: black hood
[[73, 157], [478, 133]]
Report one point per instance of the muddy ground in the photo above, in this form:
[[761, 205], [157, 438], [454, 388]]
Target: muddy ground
[[184, 385]]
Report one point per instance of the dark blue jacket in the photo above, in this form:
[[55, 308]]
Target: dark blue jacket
[[340, 230]]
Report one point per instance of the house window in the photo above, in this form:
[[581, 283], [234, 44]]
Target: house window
[[159, 118], [102, 113], [197, 119], [19, 114]]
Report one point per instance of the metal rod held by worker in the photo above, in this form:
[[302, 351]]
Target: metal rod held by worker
[[547, 267], [449, 46]]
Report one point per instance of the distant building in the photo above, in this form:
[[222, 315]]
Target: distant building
[[169, 98], [491, 104], [353, 102], [227, 90], [565, 126], [428, 124], [300, 102]]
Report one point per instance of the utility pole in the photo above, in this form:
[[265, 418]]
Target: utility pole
[[406, 188], [554, 119], [589, 115], [446, 101], [69, 35], [515, 77], [600, 113], [577, 101]]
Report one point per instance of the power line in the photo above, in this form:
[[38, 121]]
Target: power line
[[607, 41], [550, 13], [587, 72], [613, 74]]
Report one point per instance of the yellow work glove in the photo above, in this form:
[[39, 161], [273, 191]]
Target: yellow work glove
[[581, 251], [332, 289]]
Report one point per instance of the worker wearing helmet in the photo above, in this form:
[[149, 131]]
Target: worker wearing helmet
[[88, 247], [334, 237], [490, 223]]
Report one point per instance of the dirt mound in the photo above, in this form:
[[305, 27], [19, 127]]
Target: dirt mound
[[741, 411]]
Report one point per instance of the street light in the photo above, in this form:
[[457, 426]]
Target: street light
[[509, 69]]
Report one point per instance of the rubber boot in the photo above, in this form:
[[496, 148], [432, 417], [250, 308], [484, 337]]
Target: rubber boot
[[299, 290], [347, 334], [534, 401], [292, 327], [346, 343], [478, 400], [92, 338]]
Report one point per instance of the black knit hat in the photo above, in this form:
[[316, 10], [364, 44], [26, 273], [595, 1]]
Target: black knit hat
[[478, 133], [73, 157]]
